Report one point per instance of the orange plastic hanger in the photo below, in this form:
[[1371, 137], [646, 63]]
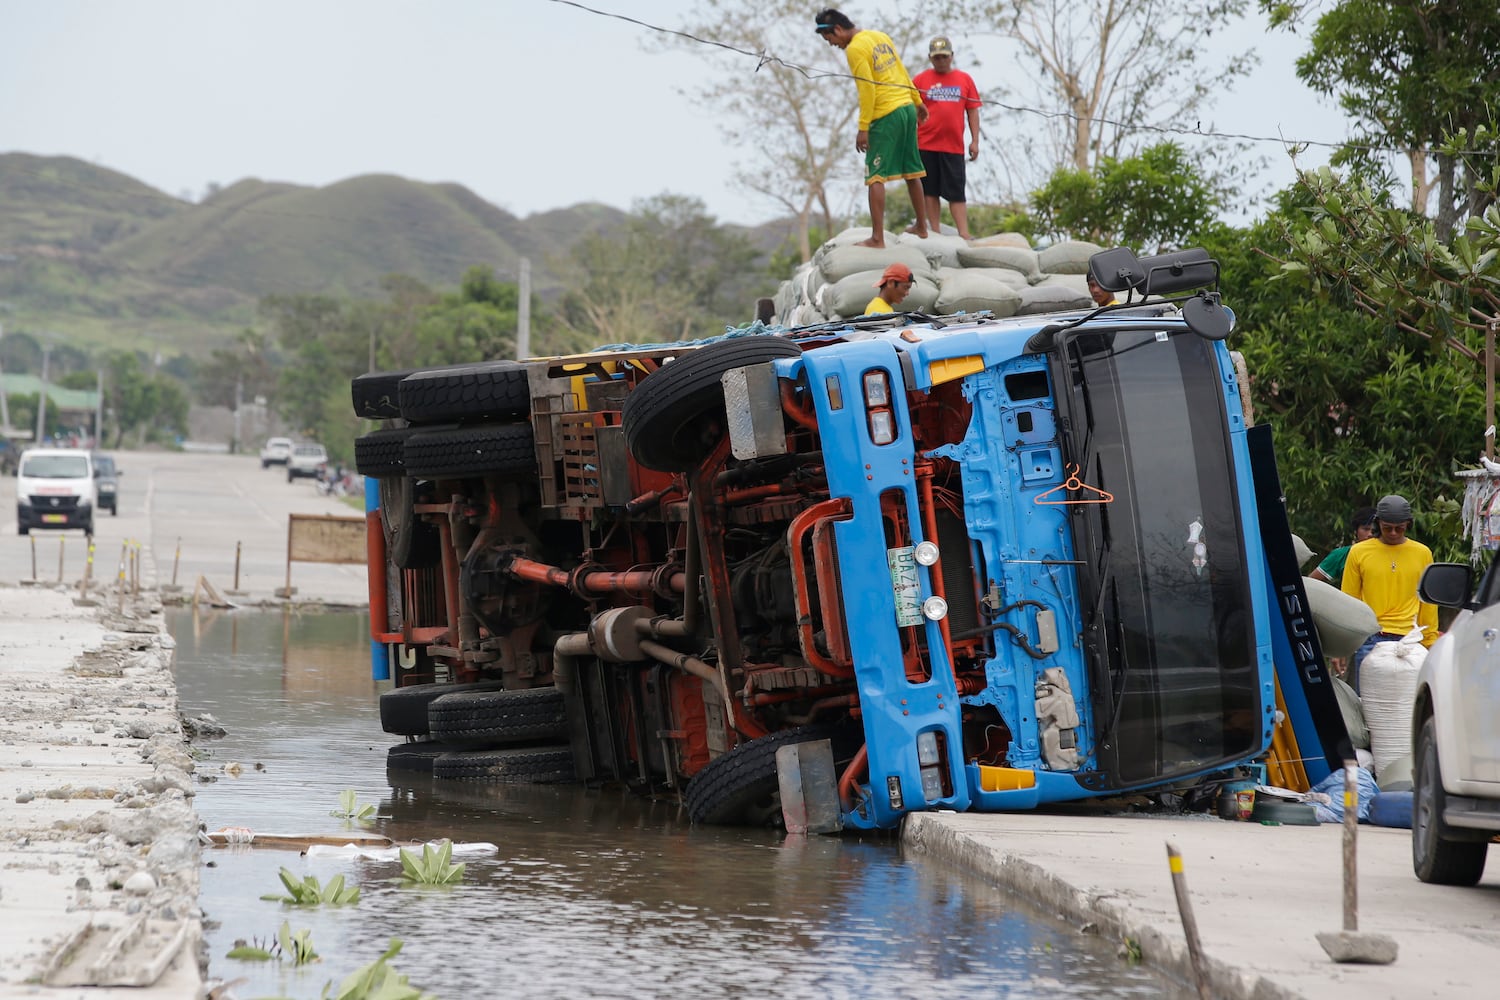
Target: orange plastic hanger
[[1073, 483]]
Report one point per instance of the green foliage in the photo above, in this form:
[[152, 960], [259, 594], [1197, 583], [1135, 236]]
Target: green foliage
[[149, 405], [308, 891], [1158, 199], [350, 809], [431, 867], [1358, 407], [1408, 72], [293, 946], [376, 981], [672, 274]]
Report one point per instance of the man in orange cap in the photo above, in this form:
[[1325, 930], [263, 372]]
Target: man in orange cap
[[895, 285]]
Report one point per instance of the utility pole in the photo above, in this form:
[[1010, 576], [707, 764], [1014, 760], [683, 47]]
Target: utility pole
[[523, 312], [4, 405], [239, 396], [41, 399]]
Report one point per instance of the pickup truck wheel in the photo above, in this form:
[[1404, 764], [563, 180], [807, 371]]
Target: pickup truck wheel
[[470, 451], [381, 453], [499, 718], [1435, 856], [496, 390], [675, 416], [403, 710], [526, 765], [739, 788]]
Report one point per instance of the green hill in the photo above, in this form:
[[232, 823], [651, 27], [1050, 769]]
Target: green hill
[[100, 258]]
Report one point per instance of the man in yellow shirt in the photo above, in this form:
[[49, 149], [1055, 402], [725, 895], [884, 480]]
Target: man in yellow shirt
[[890, 108], [895, 285], [1383, 572]]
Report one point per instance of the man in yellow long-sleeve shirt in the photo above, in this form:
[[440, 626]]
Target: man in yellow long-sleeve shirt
[[890, 109]]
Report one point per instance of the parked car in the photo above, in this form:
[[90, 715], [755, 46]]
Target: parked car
[[275, 452], [1456, 730], [307, 459], [107, 482], [55, 488]]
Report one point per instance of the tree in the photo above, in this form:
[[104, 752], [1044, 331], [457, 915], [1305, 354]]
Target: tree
[[673, 273], [151, 405], [242, 371], [1105, 71], [1157, 199], [795, 123], [1358, 409], [1407, 72]]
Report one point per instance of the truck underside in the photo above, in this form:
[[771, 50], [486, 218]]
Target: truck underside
[[993, 564]]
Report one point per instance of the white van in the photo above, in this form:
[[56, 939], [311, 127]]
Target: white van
[[55, 489]]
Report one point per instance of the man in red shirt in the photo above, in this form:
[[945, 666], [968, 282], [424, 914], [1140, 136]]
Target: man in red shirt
[[951, 97]]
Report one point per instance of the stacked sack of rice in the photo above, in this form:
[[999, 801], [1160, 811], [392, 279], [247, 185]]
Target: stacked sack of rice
[[1000, 274]]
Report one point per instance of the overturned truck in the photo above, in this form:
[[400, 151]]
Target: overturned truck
[[935, 562]]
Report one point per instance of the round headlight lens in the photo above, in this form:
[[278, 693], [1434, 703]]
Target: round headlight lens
[[925, 553], [935, 608]]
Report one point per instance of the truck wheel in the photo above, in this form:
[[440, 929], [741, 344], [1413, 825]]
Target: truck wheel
[[675, 416], [739, 788], [470, 451], [499, 718], [417, 757], [496, 390], [23, 529], [403, 710], [381, 453], [410, 542], [1434, 856], [376, 396], [525, 765]]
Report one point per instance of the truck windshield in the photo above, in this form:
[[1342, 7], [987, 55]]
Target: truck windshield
[[55, 467], [1172, 636]]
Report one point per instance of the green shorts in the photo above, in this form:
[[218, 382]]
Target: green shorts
[[892, 154]]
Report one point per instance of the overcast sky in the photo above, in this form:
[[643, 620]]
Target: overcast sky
[[533, 104]]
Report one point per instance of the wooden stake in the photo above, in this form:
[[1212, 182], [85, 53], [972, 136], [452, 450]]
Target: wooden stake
[[1189, 923]]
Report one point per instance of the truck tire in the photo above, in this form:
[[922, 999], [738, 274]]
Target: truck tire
[[376, 396], [403, 710], [410, 542], [675, 416], [470, 451], [381, 453], [739, 788], [417, 757], [525, 765], [499, 718], [1434, 856], [494, 390]]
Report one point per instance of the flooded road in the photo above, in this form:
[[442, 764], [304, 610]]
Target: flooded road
[[590, 893]]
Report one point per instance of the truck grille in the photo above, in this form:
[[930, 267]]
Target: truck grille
[[54, 504]]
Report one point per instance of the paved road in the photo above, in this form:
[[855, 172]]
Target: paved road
[[206, 504]]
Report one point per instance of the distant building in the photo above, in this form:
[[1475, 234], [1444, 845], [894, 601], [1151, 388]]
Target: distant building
[[65, 407]]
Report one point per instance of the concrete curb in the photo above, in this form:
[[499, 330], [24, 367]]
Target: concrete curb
[[99, 853], [1103, 913]]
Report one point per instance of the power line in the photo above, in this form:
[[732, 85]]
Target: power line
[[764, 58]]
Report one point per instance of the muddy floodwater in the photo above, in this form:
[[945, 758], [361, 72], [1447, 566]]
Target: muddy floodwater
[[589, 893]]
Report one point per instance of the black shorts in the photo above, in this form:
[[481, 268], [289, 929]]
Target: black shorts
[[945, 176]]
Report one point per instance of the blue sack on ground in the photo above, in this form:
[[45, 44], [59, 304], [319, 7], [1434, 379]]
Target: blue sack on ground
[[1392, 809], [1332, 786]]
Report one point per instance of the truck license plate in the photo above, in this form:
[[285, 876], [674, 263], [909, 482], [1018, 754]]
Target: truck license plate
[[54, 519], [905, 585]]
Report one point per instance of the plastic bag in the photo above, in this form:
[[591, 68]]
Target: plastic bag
[[1332, 786]]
